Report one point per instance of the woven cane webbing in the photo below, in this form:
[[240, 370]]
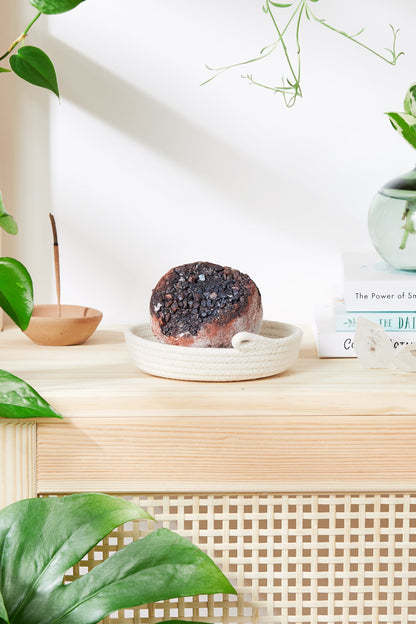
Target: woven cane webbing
[[303, 558]]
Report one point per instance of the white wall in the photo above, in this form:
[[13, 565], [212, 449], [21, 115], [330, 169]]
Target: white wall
[[148, 169], [24, 154]]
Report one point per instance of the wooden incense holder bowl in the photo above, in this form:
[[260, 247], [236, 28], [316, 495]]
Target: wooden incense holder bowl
[[74, 326]]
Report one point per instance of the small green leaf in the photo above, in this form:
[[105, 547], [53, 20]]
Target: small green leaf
[[410, 101], [53, 7], [16, 291], [34, 66], [7, 222], [19, 400], [4, 70], [405, 125]]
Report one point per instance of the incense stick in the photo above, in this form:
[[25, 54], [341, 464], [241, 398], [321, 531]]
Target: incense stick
[[56, 258]]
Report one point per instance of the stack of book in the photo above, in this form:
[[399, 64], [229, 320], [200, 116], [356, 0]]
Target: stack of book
[[374, 290]]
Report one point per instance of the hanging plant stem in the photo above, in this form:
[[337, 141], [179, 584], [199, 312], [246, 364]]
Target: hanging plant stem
[[353, 38], [264, 53], [290, 88], [21, 37]]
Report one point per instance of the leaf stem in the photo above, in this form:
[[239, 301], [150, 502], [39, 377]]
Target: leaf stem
[[291, 88], [281, 89], [296, 86], [281, 40], [408, 216], [271, 48], [404, 239], [353, 38], [21, 37]]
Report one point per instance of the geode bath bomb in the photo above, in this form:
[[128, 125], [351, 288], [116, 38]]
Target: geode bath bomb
[[204, 305]]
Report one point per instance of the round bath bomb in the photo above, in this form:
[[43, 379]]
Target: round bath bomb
[[203, 305]]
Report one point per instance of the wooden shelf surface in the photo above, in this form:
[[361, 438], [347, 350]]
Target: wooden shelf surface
[[324, 425], [99, 379]]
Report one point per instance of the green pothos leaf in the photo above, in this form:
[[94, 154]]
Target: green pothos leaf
[[6, 221], [410, 101], [405, 125], [16, 291], [19, 400], [34, 66], [53, 7], [4, 70]]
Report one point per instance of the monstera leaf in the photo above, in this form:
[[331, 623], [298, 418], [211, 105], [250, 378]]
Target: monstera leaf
[[41, 538]]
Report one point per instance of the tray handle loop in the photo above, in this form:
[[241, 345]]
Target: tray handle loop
[[248, 342]]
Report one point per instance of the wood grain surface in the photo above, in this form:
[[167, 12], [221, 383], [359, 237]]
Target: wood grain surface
[[227, 454], [98, 379], [324, 425], [17, 461]]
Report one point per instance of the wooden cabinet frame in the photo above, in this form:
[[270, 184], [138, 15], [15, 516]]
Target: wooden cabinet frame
[[285, 481]]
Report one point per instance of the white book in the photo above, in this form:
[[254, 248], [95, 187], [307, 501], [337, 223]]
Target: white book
[[370, 284], [334, 344], [389, 321]]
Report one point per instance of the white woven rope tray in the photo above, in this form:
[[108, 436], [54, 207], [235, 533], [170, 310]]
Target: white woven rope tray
[[252, 356]]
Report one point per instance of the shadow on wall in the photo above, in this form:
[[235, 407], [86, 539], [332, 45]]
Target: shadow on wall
[[257, 189]]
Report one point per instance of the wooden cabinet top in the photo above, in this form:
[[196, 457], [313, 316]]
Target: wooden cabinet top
[[324, 425], [99, 379]]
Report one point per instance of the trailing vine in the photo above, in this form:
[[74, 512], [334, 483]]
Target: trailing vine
[[286, 25]]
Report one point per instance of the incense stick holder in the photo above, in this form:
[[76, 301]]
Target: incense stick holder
[[71, 325]]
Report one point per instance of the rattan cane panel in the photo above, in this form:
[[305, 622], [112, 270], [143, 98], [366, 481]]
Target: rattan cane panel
[[333, 559]]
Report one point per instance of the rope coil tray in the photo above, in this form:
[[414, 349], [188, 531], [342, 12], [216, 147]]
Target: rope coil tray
[[252, 356]]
